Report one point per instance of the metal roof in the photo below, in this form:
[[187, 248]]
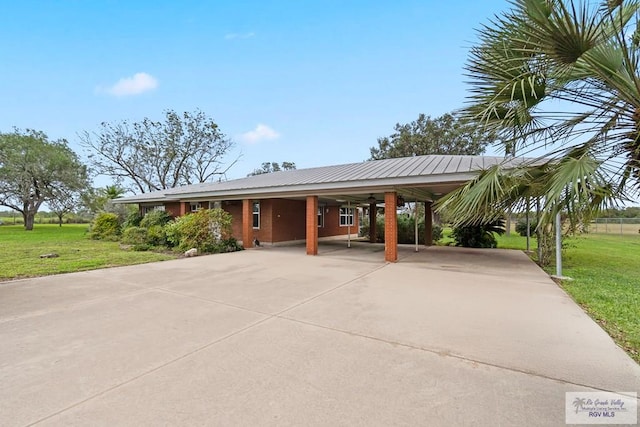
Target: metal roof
[[414, 171]]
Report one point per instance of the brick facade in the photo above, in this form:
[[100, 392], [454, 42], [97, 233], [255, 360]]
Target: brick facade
[[281, 220], [390, 227], [312, 225]]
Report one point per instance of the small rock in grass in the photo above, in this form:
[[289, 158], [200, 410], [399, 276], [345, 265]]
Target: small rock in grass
[[191, 252], [51, 255]]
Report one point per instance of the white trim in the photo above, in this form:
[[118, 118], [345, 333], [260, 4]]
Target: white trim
[[320, 216], [349, 214], [255, 212]]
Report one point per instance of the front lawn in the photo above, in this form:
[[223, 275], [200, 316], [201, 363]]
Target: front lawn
[[20, 251]]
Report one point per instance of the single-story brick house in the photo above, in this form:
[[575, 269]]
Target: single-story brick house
[[322, 202]]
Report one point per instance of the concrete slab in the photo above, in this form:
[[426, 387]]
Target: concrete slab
[[314, 376], [444, 300], [57, 359], [268, 280], [272, 336]]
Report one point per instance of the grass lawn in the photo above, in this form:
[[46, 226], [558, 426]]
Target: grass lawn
[[606, 273], [20, 251]]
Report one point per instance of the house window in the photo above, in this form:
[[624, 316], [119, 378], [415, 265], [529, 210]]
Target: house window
[[321, 216], [195, 206], [147, 209], [346, 217], [215, 205], [256, 215]]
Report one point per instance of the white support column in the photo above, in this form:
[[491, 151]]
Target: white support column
[[415, 222], [349, 217]]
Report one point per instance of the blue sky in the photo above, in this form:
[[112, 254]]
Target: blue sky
[[313, 82]]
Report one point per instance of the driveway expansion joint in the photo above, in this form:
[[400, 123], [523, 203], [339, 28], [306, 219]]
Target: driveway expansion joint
[[447, 354]]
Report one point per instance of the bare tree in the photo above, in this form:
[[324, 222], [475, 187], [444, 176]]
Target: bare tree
[[148, 155]]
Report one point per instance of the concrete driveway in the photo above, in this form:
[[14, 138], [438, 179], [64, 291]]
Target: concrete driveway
[[446, 336]]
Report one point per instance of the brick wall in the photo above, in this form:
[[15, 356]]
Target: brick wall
[[172, 208], [234, 207], [288, 220], [332, 222], [281, 220]]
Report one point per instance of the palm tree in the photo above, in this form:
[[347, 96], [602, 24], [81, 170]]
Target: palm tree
[[561, 77], [111, 192]]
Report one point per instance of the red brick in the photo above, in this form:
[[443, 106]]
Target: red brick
[[312, 225], [390, 227]]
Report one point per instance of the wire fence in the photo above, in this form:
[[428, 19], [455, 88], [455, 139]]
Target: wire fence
[[620, 226]]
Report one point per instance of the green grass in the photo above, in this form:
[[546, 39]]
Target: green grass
[[21, 250], [606, 273]]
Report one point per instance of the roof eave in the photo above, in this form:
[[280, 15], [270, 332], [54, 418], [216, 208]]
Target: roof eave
[[364, 186]]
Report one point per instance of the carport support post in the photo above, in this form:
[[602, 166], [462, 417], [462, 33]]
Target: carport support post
[[428, 223], [390, 227], [247, 223], [372, 222], [312, 225]]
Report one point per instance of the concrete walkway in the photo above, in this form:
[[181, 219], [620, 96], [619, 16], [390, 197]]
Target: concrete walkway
[[446, 336]]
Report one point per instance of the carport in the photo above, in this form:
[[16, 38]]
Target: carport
[[389, 182]]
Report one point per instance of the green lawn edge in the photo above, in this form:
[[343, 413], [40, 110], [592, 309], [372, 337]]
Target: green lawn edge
[[20, 251]]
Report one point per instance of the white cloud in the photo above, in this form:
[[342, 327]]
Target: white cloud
[[134, 85], [232, 36], [260, 133]]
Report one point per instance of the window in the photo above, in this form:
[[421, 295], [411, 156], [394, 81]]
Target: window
[[256, 214], [320, 216], [147, 209], [346, 216], [195, 206], [215, 205]]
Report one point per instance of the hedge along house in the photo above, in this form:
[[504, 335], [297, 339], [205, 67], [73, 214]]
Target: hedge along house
[[321, 202]]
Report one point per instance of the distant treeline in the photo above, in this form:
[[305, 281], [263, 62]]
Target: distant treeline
[[12, 217]]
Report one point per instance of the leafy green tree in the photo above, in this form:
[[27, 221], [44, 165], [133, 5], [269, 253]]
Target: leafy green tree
[[447, 134], [34, 170], [65, 201], [151, 155], [540, 57], [269, 167]]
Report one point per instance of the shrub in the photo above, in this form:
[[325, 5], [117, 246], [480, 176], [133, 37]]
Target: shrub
[[208, 230], [406, 231], [106, 226], [521, 227], [436, 232], [153, 218], [133, 219], [134, 236], [156, 236], [478, 236]]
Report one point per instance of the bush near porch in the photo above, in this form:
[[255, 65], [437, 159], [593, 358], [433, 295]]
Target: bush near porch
[[208, 230], [406, 230]]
